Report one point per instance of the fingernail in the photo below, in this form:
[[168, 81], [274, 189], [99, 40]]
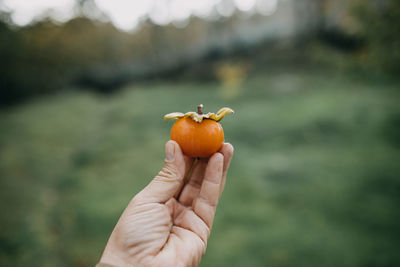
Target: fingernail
[[170, 152]]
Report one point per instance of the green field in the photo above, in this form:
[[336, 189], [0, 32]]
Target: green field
[[314, 180]]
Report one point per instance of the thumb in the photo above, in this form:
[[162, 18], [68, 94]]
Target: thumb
[[169, 179]]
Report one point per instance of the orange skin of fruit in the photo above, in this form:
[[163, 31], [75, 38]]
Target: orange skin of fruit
[[198, 139]]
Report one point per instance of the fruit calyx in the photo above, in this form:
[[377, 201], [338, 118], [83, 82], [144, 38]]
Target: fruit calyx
[[199, 116]]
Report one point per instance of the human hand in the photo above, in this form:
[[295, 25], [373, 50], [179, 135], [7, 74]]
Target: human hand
[[168, 223]]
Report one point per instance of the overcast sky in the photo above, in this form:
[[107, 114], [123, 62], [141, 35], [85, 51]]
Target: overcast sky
[[127, 14]]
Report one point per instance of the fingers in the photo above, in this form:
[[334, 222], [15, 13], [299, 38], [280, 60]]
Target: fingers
[[189, 163], [169, 180], [185, 217], [192, 188], [206, 202]]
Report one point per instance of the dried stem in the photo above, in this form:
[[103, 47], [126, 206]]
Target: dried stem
[[200, 109]]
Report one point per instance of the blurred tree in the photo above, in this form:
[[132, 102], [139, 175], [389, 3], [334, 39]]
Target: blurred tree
[[380, 20], [45, 57], [337, 26]]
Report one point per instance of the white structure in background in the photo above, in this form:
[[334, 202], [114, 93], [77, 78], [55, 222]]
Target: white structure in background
[[128, 14]]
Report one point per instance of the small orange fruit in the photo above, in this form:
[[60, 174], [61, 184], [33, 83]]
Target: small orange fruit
[[199, 135], [198, 139]]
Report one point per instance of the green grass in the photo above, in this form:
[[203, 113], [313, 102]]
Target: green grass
[[314, 180]]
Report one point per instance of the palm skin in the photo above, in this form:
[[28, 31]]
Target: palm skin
[[168, 223]]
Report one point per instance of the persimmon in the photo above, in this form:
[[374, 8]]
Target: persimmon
[[199, 135]]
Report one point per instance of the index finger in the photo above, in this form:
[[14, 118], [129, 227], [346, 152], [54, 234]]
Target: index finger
[[206, 202]]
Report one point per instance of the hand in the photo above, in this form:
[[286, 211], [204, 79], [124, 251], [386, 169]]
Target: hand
[[168, 223]]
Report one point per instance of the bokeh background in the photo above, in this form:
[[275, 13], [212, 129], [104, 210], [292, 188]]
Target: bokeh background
[[84, 86]]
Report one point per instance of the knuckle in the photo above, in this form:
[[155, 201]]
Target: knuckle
[[168, 172]]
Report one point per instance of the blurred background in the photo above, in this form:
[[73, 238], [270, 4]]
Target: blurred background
[[84, 85]]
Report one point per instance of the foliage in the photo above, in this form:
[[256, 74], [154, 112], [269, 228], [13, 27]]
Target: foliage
[[378, 21], [47, 57], [314, 180]]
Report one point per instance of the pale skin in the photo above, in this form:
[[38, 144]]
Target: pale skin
[[169, 222]]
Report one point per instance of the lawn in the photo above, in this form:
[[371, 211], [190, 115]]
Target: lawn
[[314, 180]]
